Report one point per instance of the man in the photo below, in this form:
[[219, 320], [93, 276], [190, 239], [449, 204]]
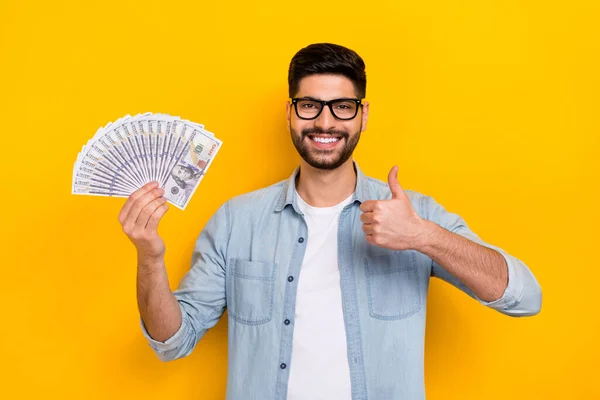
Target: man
[[324, 275]]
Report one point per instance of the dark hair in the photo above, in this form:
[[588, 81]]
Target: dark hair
[[327, 58]]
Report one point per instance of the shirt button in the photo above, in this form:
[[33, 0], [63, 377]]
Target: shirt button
[[282, 366], [287, 322], [301, 240], [290, 278]]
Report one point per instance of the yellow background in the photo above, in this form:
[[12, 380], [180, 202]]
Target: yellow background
[[489, 106]]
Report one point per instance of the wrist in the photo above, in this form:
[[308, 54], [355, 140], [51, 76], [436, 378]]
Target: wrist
[[426, 235], [150, 261]]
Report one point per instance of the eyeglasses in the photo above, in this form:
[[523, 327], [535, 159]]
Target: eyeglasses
[[343, 109]]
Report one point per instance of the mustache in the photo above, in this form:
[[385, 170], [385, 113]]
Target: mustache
[[319, 131]]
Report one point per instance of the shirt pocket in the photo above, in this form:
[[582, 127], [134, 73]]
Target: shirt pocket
[[393, 285], [250, 291]]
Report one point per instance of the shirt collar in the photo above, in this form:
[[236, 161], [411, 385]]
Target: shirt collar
[[288, 190]]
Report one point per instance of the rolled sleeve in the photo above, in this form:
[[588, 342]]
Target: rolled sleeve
[[170, 344], [522, 296]]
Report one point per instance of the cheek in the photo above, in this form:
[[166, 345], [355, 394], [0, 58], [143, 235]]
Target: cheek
[[298, 125], [353, 127]]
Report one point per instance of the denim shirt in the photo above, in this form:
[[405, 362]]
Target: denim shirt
[[247, 260]]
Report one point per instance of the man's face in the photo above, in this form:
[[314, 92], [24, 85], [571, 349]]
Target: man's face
[[181, 172], [326, 142]]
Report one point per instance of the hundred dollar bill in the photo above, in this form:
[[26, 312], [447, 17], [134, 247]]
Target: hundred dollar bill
[[162, 127], [185, 176], [146, 140], [179, 135], [86, 186], [139, 149], [153, 139], [122, 134], [155, 129]]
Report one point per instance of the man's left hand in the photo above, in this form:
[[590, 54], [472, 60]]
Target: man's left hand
[[393, 224]]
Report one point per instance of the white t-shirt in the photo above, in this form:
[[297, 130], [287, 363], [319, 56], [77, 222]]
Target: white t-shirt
[[319, 363]]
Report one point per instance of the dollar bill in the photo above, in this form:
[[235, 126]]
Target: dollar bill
[[186, 174]]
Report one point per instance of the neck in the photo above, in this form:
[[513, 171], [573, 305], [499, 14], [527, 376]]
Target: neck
[[325, 188]]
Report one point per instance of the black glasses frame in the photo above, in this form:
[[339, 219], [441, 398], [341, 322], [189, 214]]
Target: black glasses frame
[[328, 103]]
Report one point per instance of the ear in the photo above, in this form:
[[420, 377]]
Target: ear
[[365, 116], [288, 110]]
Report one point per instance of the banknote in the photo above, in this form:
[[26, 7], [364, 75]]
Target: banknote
[[124, 155], [185, 176]]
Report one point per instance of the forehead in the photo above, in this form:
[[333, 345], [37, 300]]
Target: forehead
[[326, 87]]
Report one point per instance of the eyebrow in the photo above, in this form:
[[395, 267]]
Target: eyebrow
[[317, 99]]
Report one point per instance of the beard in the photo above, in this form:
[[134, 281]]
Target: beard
[[324, 159]]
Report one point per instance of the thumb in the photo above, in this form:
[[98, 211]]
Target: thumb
[[394, 184]]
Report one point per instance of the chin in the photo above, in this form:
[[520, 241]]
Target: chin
[[327, 164]]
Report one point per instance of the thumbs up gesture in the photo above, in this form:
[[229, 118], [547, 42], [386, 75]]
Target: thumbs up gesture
[[393, 224]]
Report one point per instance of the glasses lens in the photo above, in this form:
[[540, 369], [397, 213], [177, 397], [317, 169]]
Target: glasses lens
[[344, 109], [308, 108]]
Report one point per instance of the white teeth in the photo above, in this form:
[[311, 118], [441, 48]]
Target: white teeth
[[325, 140]]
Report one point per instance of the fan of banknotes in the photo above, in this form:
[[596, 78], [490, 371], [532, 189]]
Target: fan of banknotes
[[125, 155]]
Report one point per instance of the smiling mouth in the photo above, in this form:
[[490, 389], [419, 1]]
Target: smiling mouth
[[327, 139]]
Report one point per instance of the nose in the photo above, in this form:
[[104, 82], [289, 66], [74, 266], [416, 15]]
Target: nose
[[325, 120]]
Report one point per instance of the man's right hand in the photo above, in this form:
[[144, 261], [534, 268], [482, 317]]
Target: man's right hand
[[139, 219]]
